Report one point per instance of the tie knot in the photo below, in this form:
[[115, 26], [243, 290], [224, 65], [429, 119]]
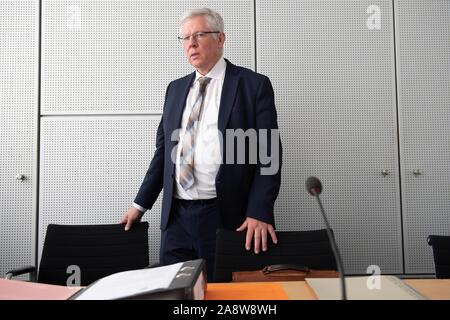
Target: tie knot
[[203, 83]]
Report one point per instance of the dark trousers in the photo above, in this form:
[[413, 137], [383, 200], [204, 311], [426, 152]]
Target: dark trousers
[[191, 233]]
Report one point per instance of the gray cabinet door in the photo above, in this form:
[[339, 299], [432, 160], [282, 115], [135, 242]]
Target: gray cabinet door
[[91, 169], [333, 71], [423, 62], [117, 57], [18, 131]]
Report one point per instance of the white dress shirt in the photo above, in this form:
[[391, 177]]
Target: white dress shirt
[[207, 152], [207, 155]]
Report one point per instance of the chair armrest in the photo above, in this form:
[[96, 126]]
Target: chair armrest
[[20, 271]]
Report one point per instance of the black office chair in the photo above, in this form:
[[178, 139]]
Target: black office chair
[[98, 250], [311, 249], [441, 253]]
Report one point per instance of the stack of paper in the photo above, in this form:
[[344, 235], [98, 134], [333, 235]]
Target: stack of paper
[[364, 288], [131, 283]]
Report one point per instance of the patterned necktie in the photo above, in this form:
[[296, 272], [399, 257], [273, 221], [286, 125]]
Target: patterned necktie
[[186, 177]]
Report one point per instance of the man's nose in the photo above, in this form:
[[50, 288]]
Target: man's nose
[[192, 43]]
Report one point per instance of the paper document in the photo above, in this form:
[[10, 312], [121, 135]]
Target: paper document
[[364, 288], [130, 283]]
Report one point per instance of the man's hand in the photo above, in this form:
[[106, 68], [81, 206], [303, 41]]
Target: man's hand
[[257, 229], [132, 216]]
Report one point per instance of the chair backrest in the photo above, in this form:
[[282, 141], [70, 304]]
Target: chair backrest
[[308, 248], [98, 250], [441, 253]]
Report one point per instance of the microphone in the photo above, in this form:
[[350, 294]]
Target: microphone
[[314, 188]]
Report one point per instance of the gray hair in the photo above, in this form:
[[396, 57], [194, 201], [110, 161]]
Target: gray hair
[[214, 20]]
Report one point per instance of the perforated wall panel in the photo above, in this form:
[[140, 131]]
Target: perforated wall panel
[[332, 67], [91, 169], [423, 46], [18, 114], [118, 56]]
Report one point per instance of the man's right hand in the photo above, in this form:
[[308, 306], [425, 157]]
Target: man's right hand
[[132, 216]]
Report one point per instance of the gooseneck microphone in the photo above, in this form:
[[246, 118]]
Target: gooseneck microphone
[[314, 188]]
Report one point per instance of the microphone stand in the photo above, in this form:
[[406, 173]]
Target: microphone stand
[[335, 249]]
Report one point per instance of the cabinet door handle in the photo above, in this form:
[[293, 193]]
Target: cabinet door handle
[[385, 172], [20, 177], [417, 172]]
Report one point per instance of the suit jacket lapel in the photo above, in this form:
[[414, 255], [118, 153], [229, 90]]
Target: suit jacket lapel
[[229, 89], [180, 102], [174, 116]]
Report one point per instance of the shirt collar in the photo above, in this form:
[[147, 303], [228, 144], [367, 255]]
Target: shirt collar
[[217, 72]]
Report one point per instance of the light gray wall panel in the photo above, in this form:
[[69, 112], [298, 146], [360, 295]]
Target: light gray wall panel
[[118, 56], [18, 115], [423, 50], [335, 94], [91, 169]]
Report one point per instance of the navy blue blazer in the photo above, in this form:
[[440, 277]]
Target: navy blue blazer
[[247, 102]]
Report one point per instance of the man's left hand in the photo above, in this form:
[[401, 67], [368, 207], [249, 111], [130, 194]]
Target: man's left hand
[[258, 230]]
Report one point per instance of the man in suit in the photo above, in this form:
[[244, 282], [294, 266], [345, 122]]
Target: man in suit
[[206, 184]]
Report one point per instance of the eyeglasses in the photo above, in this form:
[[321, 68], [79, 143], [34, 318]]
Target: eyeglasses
[[198, 36]]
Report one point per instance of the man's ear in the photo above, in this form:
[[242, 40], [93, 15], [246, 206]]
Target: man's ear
[[221, 39]]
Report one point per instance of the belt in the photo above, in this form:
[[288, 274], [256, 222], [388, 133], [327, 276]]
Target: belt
[[201, 202]]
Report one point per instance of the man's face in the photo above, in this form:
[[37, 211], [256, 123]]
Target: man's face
[[202, 53]]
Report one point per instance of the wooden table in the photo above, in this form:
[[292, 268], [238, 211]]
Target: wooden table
[[433, 289]]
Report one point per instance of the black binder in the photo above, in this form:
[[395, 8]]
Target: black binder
[[189, 283]]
